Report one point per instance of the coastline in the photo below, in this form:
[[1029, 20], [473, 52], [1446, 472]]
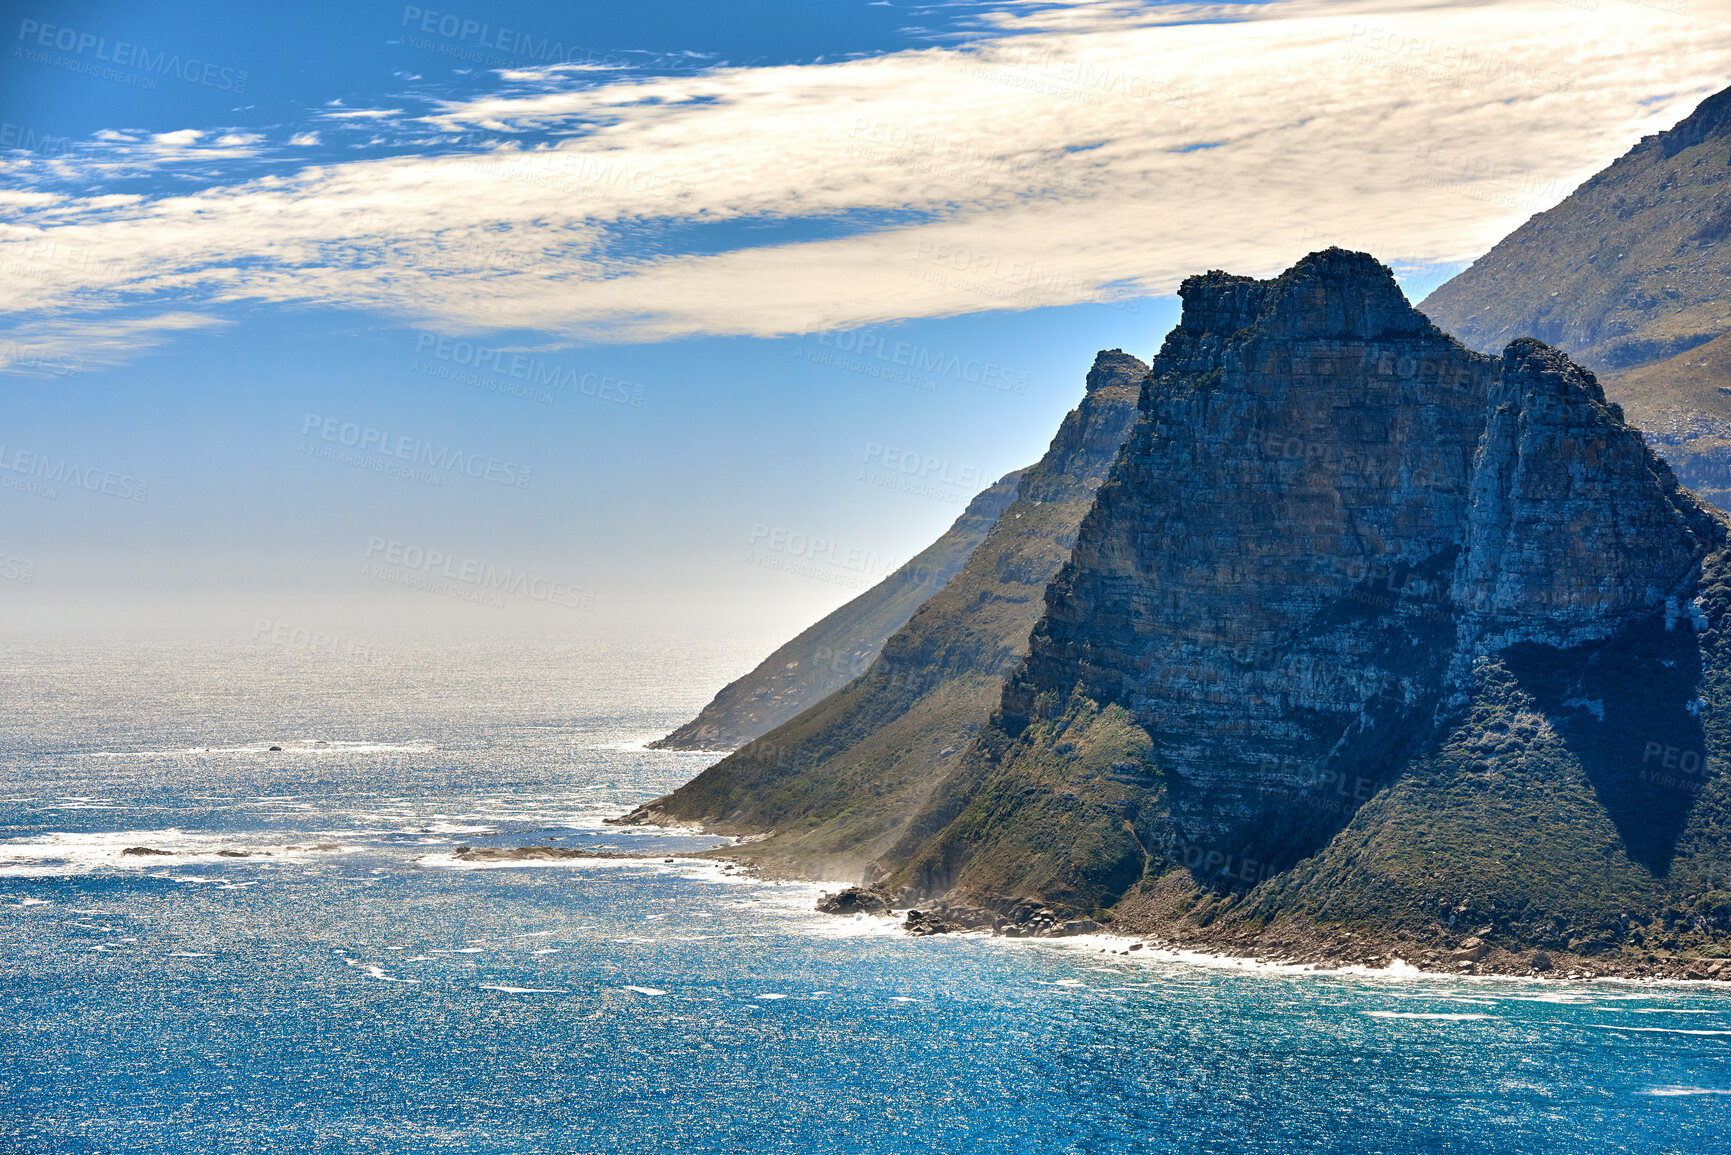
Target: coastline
[[1293, 945]]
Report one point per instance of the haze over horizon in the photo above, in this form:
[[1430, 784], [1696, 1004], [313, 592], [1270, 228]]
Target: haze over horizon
[[695, 333]]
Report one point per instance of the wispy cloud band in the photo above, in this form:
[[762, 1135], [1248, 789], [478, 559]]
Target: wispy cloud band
[[1069, 154]]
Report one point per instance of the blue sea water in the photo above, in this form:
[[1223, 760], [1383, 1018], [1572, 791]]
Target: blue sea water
[[380, 995]]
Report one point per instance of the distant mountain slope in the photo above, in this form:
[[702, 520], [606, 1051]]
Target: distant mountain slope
[[1634, 267], [837, 784], [841, 646], [1683, 404]]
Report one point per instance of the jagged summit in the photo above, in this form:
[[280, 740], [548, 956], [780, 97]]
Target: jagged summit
[[1334, 292]]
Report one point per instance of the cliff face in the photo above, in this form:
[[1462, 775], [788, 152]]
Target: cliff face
[[1575, 528], [843, 644], [1365, 627], [1305, 450], [836, 785]]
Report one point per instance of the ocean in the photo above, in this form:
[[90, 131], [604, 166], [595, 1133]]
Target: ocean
[[308, 968]]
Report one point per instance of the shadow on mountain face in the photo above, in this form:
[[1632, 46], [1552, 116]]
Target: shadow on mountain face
[[1628, 710]]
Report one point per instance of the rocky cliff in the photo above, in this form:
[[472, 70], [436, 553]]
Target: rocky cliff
[[836, 785], [1367, 635], [843, 644]]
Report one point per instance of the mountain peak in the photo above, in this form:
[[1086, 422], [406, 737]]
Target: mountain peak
[[1711, 119], [1114, 367], [1334, 292]]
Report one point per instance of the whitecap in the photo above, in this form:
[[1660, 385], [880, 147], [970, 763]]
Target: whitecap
[[1671, 1091], [646, 990], [549, 950], [902, 999], [1659, 1010], [529, 990], [771, 998]]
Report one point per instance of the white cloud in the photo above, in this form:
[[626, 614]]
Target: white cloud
[[362, 113], [1056, 164], [71, 347]]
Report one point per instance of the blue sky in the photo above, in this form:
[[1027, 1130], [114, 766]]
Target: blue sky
[[316, 315]]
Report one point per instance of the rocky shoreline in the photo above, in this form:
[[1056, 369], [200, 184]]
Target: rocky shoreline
[[1291, 943]]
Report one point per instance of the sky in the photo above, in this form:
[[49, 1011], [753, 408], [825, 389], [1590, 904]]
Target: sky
[[681, 316]]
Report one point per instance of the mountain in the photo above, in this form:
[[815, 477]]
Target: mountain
[[1632, 275], [828, 790], [1631, 268], [841, 646], [1370, 646], [1683, 403]]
